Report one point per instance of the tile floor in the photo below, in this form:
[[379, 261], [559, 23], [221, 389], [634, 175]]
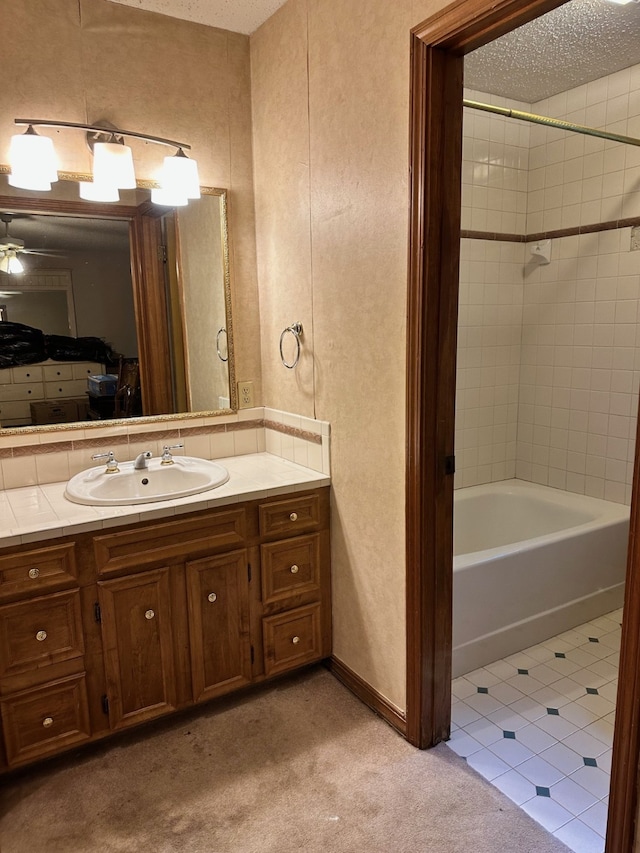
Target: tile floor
[[539, 726]]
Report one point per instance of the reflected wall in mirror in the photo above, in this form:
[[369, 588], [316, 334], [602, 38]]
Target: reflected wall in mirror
[[151, 282]]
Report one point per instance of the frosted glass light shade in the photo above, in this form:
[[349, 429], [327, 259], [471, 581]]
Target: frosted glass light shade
[[33, 161], [180, 174], [169, 197], [11, 264], [113, 166], [90, 191]]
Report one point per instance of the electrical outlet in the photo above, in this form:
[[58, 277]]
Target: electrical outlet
[[635, 238], [245, 395]]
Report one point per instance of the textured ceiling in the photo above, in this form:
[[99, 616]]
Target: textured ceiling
[[240, 16], [579, 42]]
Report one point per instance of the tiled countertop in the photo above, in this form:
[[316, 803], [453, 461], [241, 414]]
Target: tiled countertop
[[35, 513]]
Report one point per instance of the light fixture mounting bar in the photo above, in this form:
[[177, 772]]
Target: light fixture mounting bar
[[37, 122]]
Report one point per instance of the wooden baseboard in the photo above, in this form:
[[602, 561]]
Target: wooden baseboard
[[366, 693]]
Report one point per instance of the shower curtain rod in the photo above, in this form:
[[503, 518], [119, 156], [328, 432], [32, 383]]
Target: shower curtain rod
[[551, 122]]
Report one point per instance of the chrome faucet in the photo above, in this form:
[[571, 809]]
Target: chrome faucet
[[112, 462], [142, 460]]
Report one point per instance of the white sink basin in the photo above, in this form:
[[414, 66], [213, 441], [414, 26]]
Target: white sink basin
[[186, 476]]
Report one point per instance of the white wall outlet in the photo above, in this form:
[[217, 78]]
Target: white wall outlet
[[635, 238], [245, 395]]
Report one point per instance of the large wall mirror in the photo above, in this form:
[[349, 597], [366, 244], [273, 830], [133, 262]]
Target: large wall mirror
[[151, 283]]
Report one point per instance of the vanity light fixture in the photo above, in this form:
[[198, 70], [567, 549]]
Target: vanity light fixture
[[33, 163], [10, 263]]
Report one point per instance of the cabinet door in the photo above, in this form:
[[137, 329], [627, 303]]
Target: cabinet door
[[218, 595], [138, 647]]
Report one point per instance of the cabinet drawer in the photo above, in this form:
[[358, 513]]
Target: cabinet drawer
[[56, 372], [32, 572], [290, 568], [59, 390], [163, 541], [27, 373], [290, 515], [22, 391], [15, 411], [39, 632], [44, 720], [291, 639], [87, 368]]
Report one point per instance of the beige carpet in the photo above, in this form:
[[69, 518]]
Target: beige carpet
[[301, 766]]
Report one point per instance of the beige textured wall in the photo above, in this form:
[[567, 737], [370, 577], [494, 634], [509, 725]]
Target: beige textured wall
[[330, 93], [86, 60]]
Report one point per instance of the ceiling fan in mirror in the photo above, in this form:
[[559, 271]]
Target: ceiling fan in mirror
[[12, 248]]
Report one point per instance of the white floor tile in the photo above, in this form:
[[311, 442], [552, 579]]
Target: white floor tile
[[565, 759], [579, 716], [510, 751], [549, 697], [546, 812], [585, 744], [535, 738], [506, 693], [570, 688], [508, 719], [461, 688], [503, 670], [594, 780], [515, 786], [487, 764], [598, 704], [602, 730], [463, 744], [556, 726], [603, 668], [484, 731], [609, 691], [580, 838], [543, 672], [483, 703], [482, 678], [595, 818], [463, 714], [529, 708], [540, 772], [526, 684], [573, 797]]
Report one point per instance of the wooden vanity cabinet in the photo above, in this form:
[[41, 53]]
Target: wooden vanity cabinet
[[103, 631]]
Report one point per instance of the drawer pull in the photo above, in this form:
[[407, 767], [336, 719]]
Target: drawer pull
[[212, 597], [41, 636], [34, 573], [295, 641], [294, 569], [47, 722], [293, 516], [149, 614]]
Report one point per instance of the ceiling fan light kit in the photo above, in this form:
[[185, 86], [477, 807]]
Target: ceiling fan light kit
[[34, 165]]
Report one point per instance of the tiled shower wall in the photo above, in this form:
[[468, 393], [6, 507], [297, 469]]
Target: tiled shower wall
[[579, 360]]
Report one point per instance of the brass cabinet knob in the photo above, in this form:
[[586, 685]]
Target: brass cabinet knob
[[295, 641], [149, 614], [41, 635], [47, 722], [34, 573], [212, 597], [293, 516], [294, 569]]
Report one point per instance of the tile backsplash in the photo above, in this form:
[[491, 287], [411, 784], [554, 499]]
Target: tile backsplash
[[54, 455], [549, 355]]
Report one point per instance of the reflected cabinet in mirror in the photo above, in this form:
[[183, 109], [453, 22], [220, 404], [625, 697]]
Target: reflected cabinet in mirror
[[133, 293]]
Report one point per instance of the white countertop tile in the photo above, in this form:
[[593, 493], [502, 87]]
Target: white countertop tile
[[35, 513]]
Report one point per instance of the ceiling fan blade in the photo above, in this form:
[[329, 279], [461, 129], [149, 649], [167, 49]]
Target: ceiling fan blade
[[49, 253]]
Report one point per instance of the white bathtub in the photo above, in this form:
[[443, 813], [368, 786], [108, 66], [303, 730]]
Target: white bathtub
[[530, 562]]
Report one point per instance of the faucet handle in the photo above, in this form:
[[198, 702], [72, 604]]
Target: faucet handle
[[167, 458], [112, 462]]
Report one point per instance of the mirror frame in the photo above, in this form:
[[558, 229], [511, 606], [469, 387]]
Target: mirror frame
[[148, 282]]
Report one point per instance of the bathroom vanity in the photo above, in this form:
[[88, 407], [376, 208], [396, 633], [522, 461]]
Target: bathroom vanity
[[112, 627]]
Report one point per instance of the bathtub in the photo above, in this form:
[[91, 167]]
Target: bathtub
[[530, 562]]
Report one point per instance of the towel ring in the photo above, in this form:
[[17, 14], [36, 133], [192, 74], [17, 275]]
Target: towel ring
[[296, 330], [220, 356]]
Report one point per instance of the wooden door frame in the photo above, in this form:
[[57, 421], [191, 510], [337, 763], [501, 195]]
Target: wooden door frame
[[437, 49]]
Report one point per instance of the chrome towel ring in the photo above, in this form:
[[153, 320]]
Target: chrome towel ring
[[220, 356], [296, 330]]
